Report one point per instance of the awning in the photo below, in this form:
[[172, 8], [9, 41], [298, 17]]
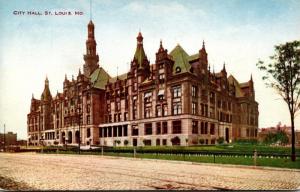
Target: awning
[[148, 94], [161, 92]]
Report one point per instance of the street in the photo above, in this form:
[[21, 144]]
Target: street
[[78, 172]]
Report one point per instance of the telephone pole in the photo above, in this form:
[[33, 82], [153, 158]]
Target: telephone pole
[[4, 138]]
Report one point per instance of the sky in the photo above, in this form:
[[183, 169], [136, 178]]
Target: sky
[[237, 32]]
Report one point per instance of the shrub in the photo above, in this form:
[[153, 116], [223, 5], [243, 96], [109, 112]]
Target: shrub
[[246, 141], [201, 141], [126, 142], [220, 140]]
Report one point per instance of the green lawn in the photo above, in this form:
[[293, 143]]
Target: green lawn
[[150, 152]]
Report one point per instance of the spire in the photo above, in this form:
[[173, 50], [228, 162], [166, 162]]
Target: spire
[[140, 38], [46, 95], [46, 81], [32, 97], [251, 78], [117, 72], [140, 55], [161, 48], [66, 78], [203, 56], [91, 58], [79, 72], [203, 45], [224, 69]]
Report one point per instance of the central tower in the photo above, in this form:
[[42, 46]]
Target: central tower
[[91, 57]]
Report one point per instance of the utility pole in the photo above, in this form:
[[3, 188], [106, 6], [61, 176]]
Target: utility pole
[[4, 139]]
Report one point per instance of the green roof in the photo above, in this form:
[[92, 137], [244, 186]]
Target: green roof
[[120, 77], [139, 55], [99, 78], [181, 59], [194, 57]]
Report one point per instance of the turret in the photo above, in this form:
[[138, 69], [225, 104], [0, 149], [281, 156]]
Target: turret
[[46, 95], [91, 57], [203, 57], [140, 63]]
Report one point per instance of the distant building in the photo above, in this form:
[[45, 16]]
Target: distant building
[[9, 138], [263, 132], [177, 100]]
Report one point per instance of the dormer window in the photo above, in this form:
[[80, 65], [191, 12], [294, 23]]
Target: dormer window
[[178, 69]]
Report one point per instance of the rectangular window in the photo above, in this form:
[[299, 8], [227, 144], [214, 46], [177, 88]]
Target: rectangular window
[[194, 107], [212, 128], [118, 106], [212, 97], [134, 114], [88, 132], [88, 119], [148, 129], [125, 127], [165, 127], [194, 91], [119, 117], [115, 130], [158, 111], [125, 116], [177, 108], [147, 142], [195, 127], [158, 128], [176, 127], [177, 92], [88, 108], [147, 97], [161, 76], [164, 142], [148, 112], [165, 110], [135, 131]]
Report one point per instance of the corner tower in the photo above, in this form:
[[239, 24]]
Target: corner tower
[[91, 57]]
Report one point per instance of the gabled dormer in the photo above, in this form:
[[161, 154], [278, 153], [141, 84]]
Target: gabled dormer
[[163, 64]]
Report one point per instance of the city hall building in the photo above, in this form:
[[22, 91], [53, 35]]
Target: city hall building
[[177, 100]]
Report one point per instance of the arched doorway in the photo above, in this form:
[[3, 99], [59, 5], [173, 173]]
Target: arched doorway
[[175, 141], [227, 134], [77, 136], [63, 137], [70, 137]]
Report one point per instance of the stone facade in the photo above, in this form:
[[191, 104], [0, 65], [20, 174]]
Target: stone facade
[[177, 100]]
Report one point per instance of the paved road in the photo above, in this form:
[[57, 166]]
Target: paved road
[[41, 171]]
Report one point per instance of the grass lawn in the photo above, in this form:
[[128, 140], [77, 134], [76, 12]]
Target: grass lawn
[[150, 152], [267, 162]]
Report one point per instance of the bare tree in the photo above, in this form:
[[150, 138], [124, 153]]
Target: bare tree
[[283, 74]]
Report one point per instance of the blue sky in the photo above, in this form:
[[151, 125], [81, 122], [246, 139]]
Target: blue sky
[[237, 32]]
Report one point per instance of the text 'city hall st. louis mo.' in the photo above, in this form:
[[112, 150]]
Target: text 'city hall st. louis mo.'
[[178, 100]]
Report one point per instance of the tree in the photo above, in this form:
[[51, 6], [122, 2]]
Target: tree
[[283, 74]]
